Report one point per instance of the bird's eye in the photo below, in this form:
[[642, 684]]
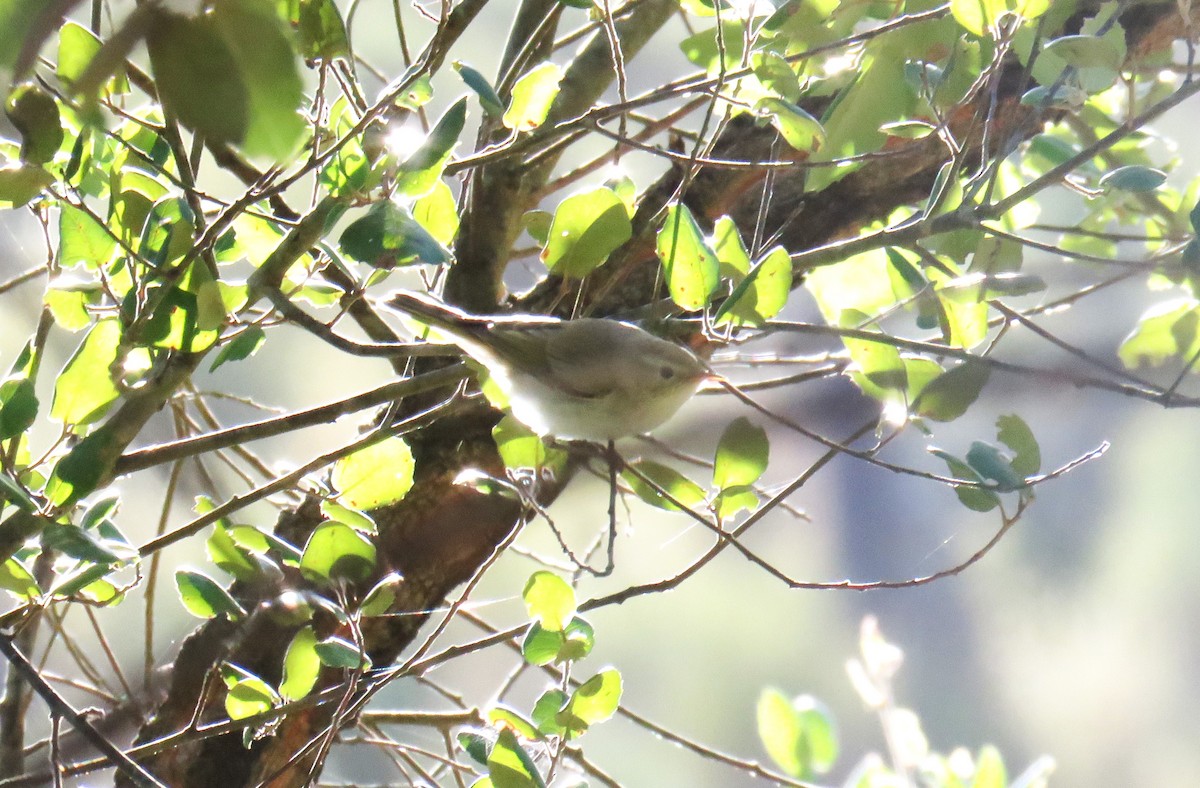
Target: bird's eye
[[666, 372]]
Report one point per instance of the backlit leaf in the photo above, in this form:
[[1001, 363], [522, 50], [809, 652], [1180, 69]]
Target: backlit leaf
[[1014, 433], [336, 551], [801, 131], [85, 388], [230, 74], [376, 475], [671, 481], [204, 597], [301, 665], [532, 96], [977, 499], [549, 599], [586, 229], [949, 395], [34, 113], [741, 456], [389, 235], [690, 264]]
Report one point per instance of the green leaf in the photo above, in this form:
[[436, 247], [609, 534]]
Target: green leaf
[[82, 240], [247, 695], [355, 518], [742, 454], [908, 129], [381, 597], [510, 766], [975, 498], [18, 407], [301, 665], [421, 171], [34, 113], [579, 638], [338, 652], [1133, 178], [441, 140], [1014, 433], [228, 555], [731, 252], [799, 735], [598, 698], [68, 301], [949, 395], [532, 96], [20, 183], [437, 213], [100, 511], [1085, 52], [537, 224], [476, 746], [671, 481], [549, 599], [801, 131], [776, 74], [375, 476], [78, 473], [703, 48], [732, 500], [542, 646], [878, 368], [349, 172], [204, 597], [389, 235], [11, 492], [546, 710], [778, 729], [690, 264], [336, 551], [762, 294], [230, 74], [167, 232], [978, 16], [243, 346], [477, 82], [322, 30], [586, 229], [18, 580], [1167, 330], [22, 22], [520, 447], [85, 388], [76, 47], [501, 716], [989, 769], [991, 463]]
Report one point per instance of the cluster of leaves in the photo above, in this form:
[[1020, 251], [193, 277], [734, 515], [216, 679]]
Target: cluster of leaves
[[800, 735], [339, 553], [556, 636]]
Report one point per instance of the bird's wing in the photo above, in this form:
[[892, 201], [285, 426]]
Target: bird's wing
[[581, 360]]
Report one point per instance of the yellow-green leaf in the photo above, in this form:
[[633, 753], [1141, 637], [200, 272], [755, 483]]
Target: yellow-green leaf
[[85, 389], [586, 229], [690, 264], [532, 96]]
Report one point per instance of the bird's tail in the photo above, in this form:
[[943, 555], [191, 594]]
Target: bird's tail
[[433, 312]]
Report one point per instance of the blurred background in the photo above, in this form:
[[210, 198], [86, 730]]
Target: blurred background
[[1076, 637]]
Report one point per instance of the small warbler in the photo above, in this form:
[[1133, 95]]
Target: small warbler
[[588, 379]]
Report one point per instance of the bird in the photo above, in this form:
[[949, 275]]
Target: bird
[[589, 379]]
